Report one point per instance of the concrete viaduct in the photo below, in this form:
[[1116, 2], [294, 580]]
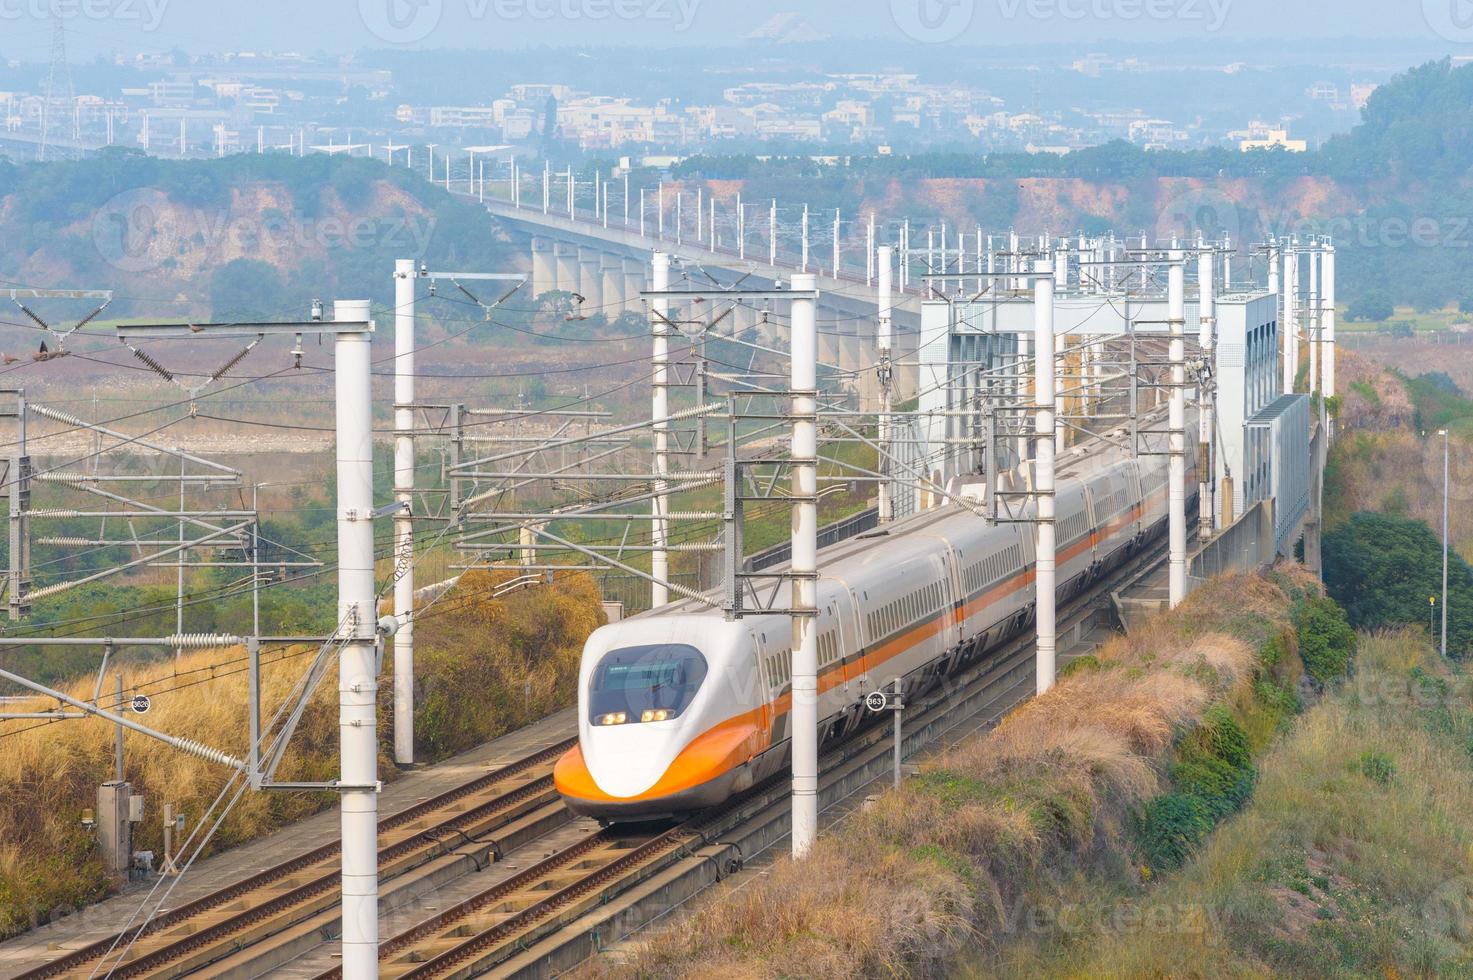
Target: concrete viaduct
[[610, 265]]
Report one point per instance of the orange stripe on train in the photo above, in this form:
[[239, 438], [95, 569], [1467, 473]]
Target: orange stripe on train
[[716, 751]]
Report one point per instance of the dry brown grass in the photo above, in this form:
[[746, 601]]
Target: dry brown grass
[[900, 888], [1328, 872], [484, 667]]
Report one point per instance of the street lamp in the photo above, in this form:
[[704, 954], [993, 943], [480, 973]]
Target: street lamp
[[1445, 489]]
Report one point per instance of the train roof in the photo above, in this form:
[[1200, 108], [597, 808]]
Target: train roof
[[1078, 462]]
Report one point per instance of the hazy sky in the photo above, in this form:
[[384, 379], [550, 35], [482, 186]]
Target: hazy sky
[[101, 26]]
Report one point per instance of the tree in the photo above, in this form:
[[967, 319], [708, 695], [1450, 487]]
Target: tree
[[1382, 569], [1374, 307], [244, 289]]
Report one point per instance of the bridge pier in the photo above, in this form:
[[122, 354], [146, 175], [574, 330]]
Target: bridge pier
[[565, 262], [850, 346], [778, 333], [591, 280], [830, 343], [615, 296], [634, 283], [544, 267]]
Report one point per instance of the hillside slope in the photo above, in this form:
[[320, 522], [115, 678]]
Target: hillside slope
[[240, 237]]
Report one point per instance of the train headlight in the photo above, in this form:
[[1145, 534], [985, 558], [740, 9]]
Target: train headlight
[[613, 718], [660, 714]]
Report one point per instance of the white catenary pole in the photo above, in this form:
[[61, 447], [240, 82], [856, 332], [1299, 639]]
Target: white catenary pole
[[1207, 338], [1446, 490], [1314, 316], [805, 563], [357, 658], [884, 263], [1043, 473], [772, 234], [803, 258], [1327, 283], [1291, 316], [660, 413], [1176, 315], [404, 277]]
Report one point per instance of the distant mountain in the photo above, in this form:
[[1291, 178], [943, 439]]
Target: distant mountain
[[787, 28], [244, 237]]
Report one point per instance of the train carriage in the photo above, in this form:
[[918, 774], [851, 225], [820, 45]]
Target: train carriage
[[680, 708]]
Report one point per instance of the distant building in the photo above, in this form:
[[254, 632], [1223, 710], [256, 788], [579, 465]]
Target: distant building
[[175, 93], [1361, 94], [1274, 138], [464, 117]]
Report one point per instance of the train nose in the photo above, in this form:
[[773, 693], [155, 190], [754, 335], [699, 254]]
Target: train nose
[[626, 761]]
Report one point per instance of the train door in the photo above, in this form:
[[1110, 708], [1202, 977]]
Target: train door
[[774, 661], [953, 598], [854, 645], [1092, 492]]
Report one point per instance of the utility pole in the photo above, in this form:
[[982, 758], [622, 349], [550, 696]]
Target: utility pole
[[869, 251], [803, 265], [1291, 317], [1313, 254], [1176, 315], [772, 234], [804, 565], [1043, 475], [1206, 391], [884, 263], [1446, 488], [404, 282], [1327, 286], [357, 629], [741, 211], [838, 231], [660, 417]]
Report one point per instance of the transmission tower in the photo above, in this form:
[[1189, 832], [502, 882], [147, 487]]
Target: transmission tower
[[58, 64]]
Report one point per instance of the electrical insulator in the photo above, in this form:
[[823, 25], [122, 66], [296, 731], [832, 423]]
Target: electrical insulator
[[297, 352]]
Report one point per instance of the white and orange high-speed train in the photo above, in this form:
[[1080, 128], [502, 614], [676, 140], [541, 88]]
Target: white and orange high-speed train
[[679, 708]]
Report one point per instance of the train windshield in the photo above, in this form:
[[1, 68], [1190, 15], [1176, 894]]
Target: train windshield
[[659, 680]]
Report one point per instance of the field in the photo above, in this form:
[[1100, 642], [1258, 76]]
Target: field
[[519, 655]]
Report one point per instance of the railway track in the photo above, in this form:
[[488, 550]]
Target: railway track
[[287, 904], [550, 916]]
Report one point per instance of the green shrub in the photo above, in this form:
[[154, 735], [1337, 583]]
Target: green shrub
[[1326, 641], [1220, 735], [1088, 662], [1213, 776], [1172, 827], [1377, 767], [1221, 787]]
